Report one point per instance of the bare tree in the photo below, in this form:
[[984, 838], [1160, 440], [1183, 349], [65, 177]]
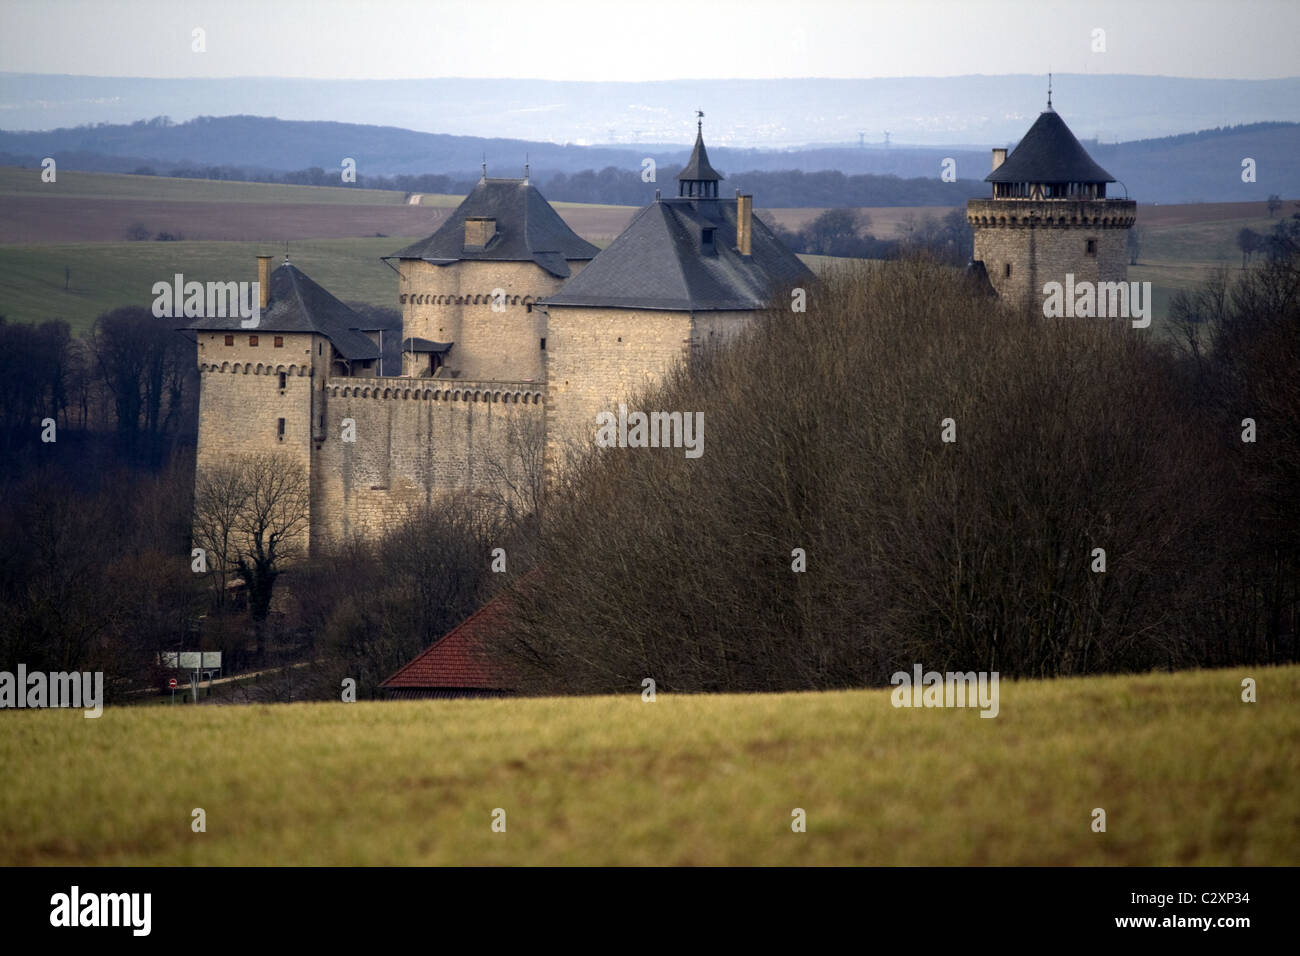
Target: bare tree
[[1136, 236], [1249, 242], [272, 525], [516, 473], [252, 515], [144, 362], [219, 496]]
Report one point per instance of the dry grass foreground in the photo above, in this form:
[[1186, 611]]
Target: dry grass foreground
[[1186, 772]]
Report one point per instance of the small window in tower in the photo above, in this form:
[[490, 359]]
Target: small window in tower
[[543, 345], [280, 428], [230, 340], [279, 341], [1006, 270], [284, 380], [252, 340], [708, 237], [1092, 247]]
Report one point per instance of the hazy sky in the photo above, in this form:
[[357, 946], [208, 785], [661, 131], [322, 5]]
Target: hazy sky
[[648, 39]]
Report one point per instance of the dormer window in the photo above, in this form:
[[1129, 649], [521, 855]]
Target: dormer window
[[479, 231], [706, 238]]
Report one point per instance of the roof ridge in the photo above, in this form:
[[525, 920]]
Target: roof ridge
[[677, 259], [297, 291], [491, 604]]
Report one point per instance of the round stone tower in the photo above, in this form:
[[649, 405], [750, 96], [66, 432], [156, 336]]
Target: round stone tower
[[1049, 216]]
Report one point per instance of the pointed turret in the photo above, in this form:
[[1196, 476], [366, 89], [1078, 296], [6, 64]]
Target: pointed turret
[[698, 180]]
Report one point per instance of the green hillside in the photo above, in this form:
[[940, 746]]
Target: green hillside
[[105, 275]]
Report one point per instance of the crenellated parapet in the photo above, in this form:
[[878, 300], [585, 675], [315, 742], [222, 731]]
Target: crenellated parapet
[[475, 298], [1051, 213], [436, 390], [255, 368]]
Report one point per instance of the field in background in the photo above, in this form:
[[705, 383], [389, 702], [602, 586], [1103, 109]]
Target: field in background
[[108, 274], [81, 223], [1186, 772], [16, 181]]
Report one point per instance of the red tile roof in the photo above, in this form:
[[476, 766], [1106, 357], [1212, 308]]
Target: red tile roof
[[456, 660]]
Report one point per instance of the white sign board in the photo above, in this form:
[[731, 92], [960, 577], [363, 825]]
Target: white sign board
[[192, 660]]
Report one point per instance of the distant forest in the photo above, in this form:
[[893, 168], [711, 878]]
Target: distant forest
[[612, 185]]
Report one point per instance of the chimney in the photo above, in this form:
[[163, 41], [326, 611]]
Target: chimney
[[999, 156], [263, 281], [479, 231], [744, 223]]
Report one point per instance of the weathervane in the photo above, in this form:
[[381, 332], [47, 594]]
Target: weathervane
[[1049, 91], [485, 165], [699, 123]]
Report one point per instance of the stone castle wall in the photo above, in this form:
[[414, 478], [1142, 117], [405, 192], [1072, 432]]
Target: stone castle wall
[[1042, 240], [599, 357], [417, 441]]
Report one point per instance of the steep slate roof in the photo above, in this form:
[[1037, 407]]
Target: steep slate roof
[[1049, 153], [527, 230], [698, 168], [658, 263], [297, 304], [455, 661]]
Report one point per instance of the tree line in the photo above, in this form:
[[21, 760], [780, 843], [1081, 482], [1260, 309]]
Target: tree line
[[625, 186], [913, 473], [939, 478], [848, 233]]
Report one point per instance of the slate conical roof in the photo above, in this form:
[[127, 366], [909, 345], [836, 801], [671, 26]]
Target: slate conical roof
[[1049, 153], [527, 229], [698, 168], [297, 304], [661, 262]]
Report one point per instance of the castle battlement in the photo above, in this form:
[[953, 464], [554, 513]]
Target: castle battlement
[[258, 368], [436, 390], [1017, 213]]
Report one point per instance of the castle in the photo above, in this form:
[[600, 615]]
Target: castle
[[516, 333], [1048, 216]]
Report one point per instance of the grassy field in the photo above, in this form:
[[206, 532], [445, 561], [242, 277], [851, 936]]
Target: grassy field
[[1186, 772], [108, 274]]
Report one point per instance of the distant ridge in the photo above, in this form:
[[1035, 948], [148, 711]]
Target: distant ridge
[[745, 113], [1201, 166]]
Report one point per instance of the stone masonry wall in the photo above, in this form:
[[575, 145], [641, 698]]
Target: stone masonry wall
[[417, 441], [240, 399], [453, 303], [599, 357], [1044, 240]]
